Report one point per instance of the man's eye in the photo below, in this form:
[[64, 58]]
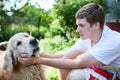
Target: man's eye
[[18, 43], [82, 25]]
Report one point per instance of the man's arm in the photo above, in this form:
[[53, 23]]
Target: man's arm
[[84, 60], [51, 55], [69, 54]]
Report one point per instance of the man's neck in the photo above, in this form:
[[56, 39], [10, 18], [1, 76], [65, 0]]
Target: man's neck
[[96, 37]]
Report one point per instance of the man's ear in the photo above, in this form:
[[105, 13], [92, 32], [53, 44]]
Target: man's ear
[[8, 62], [97, 25]]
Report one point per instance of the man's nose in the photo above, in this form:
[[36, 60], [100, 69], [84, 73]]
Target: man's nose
[[78, 29]]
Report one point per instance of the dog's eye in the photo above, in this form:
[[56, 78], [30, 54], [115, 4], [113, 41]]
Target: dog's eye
[[26, 35], [18, 43]]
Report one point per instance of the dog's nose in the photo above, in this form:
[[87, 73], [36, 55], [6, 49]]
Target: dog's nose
[[34, 42]]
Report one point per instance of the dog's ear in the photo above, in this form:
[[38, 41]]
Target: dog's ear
[[3, 45], [8, 62]]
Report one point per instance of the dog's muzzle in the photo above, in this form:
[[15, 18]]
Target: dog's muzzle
[[34, 43]]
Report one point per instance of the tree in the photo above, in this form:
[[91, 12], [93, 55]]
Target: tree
[[26, 15], [113, 13]]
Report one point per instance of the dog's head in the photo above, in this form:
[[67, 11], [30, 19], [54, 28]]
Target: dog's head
[[18, 44], [23, 43]]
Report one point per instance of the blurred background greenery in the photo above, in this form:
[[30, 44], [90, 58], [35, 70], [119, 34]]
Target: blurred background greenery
[[54, 27]]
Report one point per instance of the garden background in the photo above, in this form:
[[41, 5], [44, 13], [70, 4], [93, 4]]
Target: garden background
[[55, 28]]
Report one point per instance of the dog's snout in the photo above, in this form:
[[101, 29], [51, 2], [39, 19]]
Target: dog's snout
[[34, 42]]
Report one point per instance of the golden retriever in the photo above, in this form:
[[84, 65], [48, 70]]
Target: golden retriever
[[10, 68]]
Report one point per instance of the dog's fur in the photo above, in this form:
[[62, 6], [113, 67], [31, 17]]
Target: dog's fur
[[10, 68]]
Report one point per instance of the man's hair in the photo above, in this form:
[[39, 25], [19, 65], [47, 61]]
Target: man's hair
[[93, 13]]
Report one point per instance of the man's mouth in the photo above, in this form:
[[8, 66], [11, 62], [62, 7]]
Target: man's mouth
[[81, 34]]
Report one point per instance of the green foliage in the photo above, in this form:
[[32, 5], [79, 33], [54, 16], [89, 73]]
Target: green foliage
[[13, 29], [55, 44], [113, 10], [64, 18], [35, 16], [52, 74], [24, 17]]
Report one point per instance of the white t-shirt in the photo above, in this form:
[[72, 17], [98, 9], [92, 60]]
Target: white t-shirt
[[106, 50]]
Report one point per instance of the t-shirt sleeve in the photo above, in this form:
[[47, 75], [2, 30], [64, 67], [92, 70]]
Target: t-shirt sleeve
[[80, 45], [106, 52]]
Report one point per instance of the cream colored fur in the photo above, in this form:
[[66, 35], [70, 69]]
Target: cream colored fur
[[10, 68]]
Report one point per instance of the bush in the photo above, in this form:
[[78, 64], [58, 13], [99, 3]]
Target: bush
[[13, 29], [55, 44], [52, 74]]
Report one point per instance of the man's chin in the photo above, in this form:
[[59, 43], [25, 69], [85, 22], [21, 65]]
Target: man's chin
[[83, 38]]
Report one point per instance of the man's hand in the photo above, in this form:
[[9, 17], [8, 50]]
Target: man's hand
[[26, 60]]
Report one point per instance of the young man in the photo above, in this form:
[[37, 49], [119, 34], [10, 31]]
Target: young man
[[95, 46]]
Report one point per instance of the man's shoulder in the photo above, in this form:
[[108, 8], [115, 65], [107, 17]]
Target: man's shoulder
[[109, 33]]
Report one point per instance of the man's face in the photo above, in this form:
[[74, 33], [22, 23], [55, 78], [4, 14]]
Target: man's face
[[84, 29]]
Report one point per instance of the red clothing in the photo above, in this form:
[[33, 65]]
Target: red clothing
[[103, 73]]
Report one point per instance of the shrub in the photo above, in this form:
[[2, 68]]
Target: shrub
[[13, 29], [55, 44], [51, 74]]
